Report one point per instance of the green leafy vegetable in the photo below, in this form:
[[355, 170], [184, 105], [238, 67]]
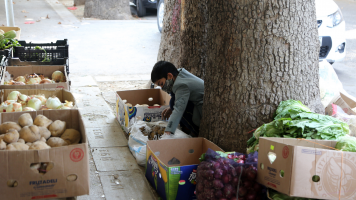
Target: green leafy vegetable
[[295, 120], [347, 143], [7, 40]]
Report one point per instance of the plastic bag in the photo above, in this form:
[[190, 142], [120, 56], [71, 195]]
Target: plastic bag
[[329, 83], [219, 177], [339, 113], [141, 132]]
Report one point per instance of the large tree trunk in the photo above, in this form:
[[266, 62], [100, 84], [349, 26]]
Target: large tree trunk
[[108, 9], [183, 40], [260, 52]]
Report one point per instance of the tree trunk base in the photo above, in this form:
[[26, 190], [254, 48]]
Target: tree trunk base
[[108, 9]]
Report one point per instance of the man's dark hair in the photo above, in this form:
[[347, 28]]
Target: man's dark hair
[[161, 69]]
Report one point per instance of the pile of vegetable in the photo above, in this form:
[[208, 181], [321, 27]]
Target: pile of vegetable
[[7, 40], [279, 196], [295, 120], [32, 79], [41, 133], [228, 176], [17, 102]]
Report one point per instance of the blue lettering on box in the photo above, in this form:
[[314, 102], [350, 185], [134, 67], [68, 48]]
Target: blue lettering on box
[[40, 182], [311, 151]]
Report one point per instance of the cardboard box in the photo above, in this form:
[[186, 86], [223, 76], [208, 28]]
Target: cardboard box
[[42, 69], [344, 101], [67, 160], [300, 160], [171, 166], [125, 114], [62, 94], [7, 29]]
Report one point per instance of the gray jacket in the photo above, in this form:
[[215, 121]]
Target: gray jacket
[[186, 87]]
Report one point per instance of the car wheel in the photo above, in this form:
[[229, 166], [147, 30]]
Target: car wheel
[[141, 10], [160, 15]]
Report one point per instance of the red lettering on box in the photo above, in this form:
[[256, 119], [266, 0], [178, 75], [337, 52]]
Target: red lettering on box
[[44, 196], [76, 155], [271, 184], [285, 152]]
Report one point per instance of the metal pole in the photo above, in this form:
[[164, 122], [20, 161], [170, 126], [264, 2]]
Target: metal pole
[[9, 13]]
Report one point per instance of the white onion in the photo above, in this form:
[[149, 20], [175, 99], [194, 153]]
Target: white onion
[[14, 95], [20, 79], [15, 107], [3, 107], [42, 98], [28, 109], [58, 76], [68, 104], [23, 97], [32, 81], [34, 103], [53, 103]]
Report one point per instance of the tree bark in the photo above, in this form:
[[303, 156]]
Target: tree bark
[[108, 9], [260, 52], [183, 40]]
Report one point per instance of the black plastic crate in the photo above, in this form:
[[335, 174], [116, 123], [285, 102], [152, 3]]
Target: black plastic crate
[[6, 53], [47, 52]]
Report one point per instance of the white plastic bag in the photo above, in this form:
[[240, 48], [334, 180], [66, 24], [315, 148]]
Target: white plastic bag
[[138, 141], [329, 83]]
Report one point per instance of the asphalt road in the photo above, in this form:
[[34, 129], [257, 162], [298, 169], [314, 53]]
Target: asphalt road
[[346, 69]]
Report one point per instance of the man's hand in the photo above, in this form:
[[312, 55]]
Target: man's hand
[[166, 113]]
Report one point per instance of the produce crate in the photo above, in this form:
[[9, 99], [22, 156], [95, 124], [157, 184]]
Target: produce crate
[[6, 53], [57, 53], [17, 62], [53, 51], [7, 29], [67, 161], [38, 69]]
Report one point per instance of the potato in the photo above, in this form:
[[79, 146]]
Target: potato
[[16, 146], [30, 133], [21, 141], [2, 145], [39, 145], [57, 128], [42, 121], [2, 136], [43, 139], [9, 125], [56, 142], [25, 120], [12, 183], [71, 136], [11, 136], [44, 132], [28, 144]]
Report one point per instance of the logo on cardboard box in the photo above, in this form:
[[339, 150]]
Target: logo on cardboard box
[[76, 155], [285, 152], [331, 172]]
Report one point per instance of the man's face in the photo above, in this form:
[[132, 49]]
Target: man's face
[[160, 82]]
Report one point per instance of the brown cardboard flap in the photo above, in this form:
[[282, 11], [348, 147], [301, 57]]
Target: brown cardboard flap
[[60, 93], [46, 70], [303, 142], [187, 151], [141, 96]]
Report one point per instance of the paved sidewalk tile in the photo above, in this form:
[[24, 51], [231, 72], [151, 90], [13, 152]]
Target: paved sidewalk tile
[[126, 185], [112, 136], [114, 158]]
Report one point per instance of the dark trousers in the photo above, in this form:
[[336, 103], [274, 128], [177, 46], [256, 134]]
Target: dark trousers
[[187, 119]]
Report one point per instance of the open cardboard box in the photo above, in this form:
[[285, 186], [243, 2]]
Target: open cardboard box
[[68, 160], [298, 161], [47, 71], [9, 28], [62, 94], [126, 115], [171, 165]]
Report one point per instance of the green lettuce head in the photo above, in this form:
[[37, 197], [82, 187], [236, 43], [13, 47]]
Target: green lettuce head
[[346, 143]]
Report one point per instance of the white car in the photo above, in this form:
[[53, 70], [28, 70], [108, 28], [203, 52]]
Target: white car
[[331, 28]]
